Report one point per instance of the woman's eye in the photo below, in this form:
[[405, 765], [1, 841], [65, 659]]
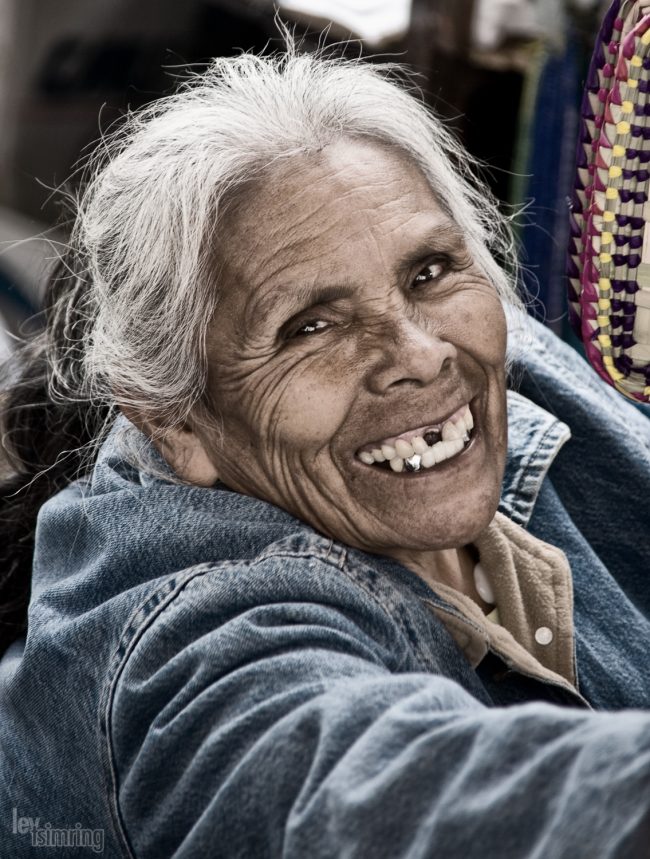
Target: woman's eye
[[309, 328], [430, 272]]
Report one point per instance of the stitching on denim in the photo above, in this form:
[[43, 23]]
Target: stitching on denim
[[535, 467], [148, 611], [355, 573], [144, 616]]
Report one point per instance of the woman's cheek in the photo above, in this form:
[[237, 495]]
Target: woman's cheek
[[315, 400], [481, 327]]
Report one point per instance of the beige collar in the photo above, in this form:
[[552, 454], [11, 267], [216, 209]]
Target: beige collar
[[533, 589]]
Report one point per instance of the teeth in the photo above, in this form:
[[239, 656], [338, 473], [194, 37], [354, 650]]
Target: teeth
[[388, 451], [424, 451], [412, 463], [419, 445], [449, 449], [403, 449], [451, 431], [429, 456]]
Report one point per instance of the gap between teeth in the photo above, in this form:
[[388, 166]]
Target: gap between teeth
[[417, 454]]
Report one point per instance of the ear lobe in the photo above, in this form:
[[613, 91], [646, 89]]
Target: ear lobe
[[182, 449], [186, 453]]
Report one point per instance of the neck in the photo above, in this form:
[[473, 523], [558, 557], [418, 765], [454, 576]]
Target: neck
[[451, 567]]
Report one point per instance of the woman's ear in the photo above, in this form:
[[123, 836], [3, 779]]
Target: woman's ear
[[183, 449], [186, 453]]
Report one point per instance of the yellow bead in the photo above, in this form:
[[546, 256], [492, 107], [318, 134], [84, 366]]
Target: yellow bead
[[623, 127], [646, 391], [608, 361], [604, 303], [604, 340], [645, 38], [615, 374], [636, 61], [605, 257], [615, 171], [611, 194], [606, 238], [603, 321], [632, 83], [604, 283], [618, 151], [627, 107], [608, 217]]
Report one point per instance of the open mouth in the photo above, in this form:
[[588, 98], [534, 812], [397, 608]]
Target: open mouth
[[421, 448]]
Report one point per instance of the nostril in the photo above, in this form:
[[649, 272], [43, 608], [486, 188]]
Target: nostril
[[415, 358], [416, 383]]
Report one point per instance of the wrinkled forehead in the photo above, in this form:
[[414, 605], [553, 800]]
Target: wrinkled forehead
[[318, 210]]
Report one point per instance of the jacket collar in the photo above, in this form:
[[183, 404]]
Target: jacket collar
[[535, 437]]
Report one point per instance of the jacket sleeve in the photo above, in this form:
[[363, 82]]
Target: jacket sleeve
[[243, 727]]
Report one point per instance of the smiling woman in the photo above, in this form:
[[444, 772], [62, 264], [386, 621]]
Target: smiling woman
[[307, 578], [353, 316]]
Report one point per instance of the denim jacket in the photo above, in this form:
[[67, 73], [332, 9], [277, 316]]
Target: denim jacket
[[205, 675]]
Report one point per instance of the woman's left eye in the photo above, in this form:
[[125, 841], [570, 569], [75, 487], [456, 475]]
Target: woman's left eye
[[430, 272]]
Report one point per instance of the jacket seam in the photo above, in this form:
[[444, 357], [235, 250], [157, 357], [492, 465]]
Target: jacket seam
[[346, 567], [161, 598]]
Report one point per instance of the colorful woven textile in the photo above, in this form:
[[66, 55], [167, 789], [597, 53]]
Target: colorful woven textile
[[609, 251]]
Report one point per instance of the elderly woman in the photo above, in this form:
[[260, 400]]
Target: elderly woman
[[278, 611]]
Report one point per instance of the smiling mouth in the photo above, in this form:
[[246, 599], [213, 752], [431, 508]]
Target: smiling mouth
[[422, 448]]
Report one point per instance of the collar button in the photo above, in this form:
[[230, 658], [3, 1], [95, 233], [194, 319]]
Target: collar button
[[543, 635]]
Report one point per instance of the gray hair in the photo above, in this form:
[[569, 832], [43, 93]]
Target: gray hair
[[149, 214]]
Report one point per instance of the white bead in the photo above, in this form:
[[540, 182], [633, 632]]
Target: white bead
[[483, 585], [543, 635]]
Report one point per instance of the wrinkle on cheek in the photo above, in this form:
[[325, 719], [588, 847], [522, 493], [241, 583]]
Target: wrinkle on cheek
[[312, 406]]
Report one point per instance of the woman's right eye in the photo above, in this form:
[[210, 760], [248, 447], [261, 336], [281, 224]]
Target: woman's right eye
[[308, 328]]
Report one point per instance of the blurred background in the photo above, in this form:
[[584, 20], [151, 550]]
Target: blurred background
[[507, 75]]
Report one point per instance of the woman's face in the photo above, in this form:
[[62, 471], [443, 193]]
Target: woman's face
[[352, 314]]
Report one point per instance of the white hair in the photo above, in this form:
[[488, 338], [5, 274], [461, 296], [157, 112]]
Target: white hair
[[150, 213]]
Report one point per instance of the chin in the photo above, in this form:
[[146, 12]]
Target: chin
[[447, 528]]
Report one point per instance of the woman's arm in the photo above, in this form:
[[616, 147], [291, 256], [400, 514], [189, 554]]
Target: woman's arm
[[246, 728]]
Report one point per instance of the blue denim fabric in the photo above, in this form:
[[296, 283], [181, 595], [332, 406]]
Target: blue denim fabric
[[205, 675]]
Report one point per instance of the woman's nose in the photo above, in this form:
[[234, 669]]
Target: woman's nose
[[410, 354]]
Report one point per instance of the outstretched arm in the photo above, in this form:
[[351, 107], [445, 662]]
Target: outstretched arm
[[248, 729]]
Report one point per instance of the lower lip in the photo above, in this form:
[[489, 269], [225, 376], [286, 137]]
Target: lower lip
[[460, 459]]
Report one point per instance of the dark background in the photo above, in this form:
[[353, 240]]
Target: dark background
[[70, 69]]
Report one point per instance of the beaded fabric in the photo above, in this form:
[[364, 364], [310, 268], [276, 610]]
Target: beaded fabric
[[609, 250]]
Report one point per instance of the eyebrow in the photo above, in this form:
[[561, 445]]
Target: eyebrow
[[447, 238]]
